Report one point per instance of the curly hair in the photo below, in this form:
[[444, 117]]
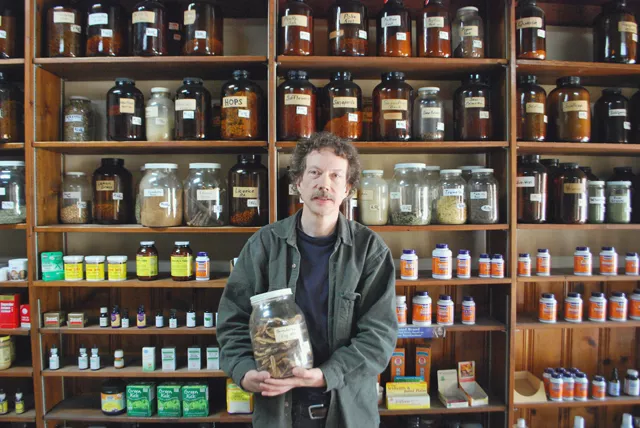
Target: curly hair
[[319, 141]]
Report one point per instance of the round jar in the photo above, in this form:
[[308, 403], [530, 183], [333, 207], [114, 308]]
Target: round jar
[[113, 398], [73, 268], [409, 196], [348, 28], [571, 198], [445, 310], [573, 308], [117, 268], [248, 198], [106, 29], [482, 194], [608, 261], [296, 29], [401, 310], [149, 29], [524, 264], [532, 117], [434, 31], [192, 110], [428, 110], [531, 34], [543, 262], [484, 266], [11, 107], [432, 178], [619, 202], [468, 34], [618, 307], [392, 108], [64, 31], [242, 110], [632, 267], [615, 34], [205, 196], [147, 261], [125, 112], [10, 15], [182, 262], [409, 265], [472, 110], [467, 171], [75, 199], [373, 198], [203, 29], [159, 115], [597, 307], [548, 308], [463, 264], [296, 107], [161, 196], [597, 202], [341, 107], [112, 193], [569, 112], [451, 206], [94, 266], [582, 262], [612, 123], [13, 206], [393, 30], [422, 309], [79, 122], [497, 266], [468, 311]]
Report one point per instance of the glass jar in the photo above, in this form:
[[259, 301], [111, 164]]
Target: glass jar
[[553, 172], [161, 196], [467, 171], [125, 112], [634, 114], [394, 30], [428, 111], [451, 205], [597, 202], [622, 173], [203, 29], [175, 18], [532, 117], [367, 119], [374, 198], [249, 196], [349, 207], [611, 124], [10, 16], [531, 31], [348, 28], [432, 178], [296, 107], [615, 34], [182, 262], [472, 110], [75, 199], [588, 172], [531, 188], [11, 111], [147, 261], [242, 108], [106, 29], [570, 194], [569, 111], [205, 196], [392, 108], [293, 202], [13, 205], [79, 120], [159, 115], [136, 195], [434, 31], [409, 196], [482, 194], [341, 107], [215, 119], [112, 194], [149, 29], [296, 29], [619, 202], [192, 110], [64, 31], [468, 33]]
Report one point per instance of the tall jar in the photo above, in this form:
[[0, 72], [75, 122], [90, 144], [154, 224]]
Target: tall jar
[[205, 196], [428, 111], [619, 202], [10, 15], [482, 196], [248, 192], [175, 19], [161, 196], [292, 202], [531, 189], [634, 114], [11, 111], [203, 29], [597, 202], [432, 177], [125, 112], [349, 207], [611, 124], [13, 205], [472, 110], [434, 31], [75, 199], [569, 111], [149, 29], [468, 34], [296, 29], [367, 119], [588, 172], [409, 196], [64, 31], [531, 31], [79, 120], [348, 28], [394, 30], [296, 107], [160, 115], [451, 205], [374, 198], [615, 34], [112, 193], [532, 117], [341, 107], [242, 108], [106, 29], [553, 172], [570, 195], [192, 110], [392, 108]]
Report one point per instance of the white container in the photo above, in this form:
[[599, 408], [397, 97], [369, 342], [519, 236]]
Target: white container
[[373, 198], [191, 319], [83, 359], [54, 359], [548, 308], [422, 309], [578, 422], [632, 264], [618, 307], [118, 361], [160, 115], [168, 356], [468, 311], [484, 266], [203, 269], [409, 265], [441, 259], [445, 310], [573, 307], [104, 321], [543, 262], [18, 269], [581, 384], [627, 421], [599, 388], [497, 266], [401, 310], [568, 386], [608, 261], [149, 359], [634, 308], [194, 359], [582, 262], [631, 383], [207, 319], [94, 361], [213, 358], [159, 320], [463, 265], [524, 264], [556, 387]]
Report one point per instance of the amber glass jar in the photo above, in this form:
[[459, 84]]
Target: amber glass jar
[[341, 107], [532, 117], [296, 107], [434, 31], [242, 108], [106, 29], [112, 193], [248, 192], [392, 108], [615, 34], [569, 111], [348, 28], [367, 119], [11, 111], [149, 29], [394, 30], [182, 261], [611, 121], [531, 189], [147, 261], [175, 18], [553, 172], [570, 195], [296, 29], [291, 203], [125, 112], [634, 114], [202, 29], [10, 16], [64, 31], [193, 110], [531, 31], [472, 110]]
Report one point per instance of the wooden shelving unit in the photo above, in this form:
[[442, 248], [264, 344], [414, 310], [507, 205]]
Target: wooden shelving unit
[[132, 372], [93, 329], [415, 147], [132, 147]]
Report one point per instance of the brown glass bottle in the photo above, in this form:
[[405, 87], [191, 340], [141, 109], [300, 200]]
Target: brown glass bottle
[[248, 192], [10, 18], [531, 31], [149, 29], [215, 119], [532, 118], [570, 194], [292, 201], [367, 119], [125, 112], [531, 189], [296, 107], [175, 18], [615, 35], [348, 28], [434, 31], [392, 108], [242, 108], [203, 29], [634, 114], [193, 110], [296, 29], [182, 262], [341, 107], [611, 119], [64, 31], [569, 111], [147, 261], [553, 172], [472, 110], [112, 193], [106, 29], [394, 30], [11, 108], [349, 207]]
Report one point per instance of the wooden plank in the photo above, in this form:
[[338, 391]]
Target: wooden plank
[[27, 417], [134, 283], [17, 371], [14, 331], [136, 228], [591, 73], [424, 280], [19, 226], [14, 284], [132, 372], [440, 228], [566, 275], [95, 330], [142, 147], [437, 408], [528, 322], [578, 149], [550, 226], [609, 402], [414, 147], [8, 147]]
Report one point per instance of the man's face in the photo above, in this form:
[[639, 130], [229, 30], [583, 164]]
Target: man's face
[[324, 186]]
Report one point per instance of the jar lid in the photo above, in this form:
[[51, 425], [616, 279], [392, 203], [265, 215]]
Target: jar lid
[[581, 375], [73, 259], [147, 243], [104, 309], [617, 294], [11, 163], [159, 90], [527, 78], [119, 353], [569, 165], [497, 256], [410, 166], [203, 254], [467, 299], [556, 375], [341, 75], [632, 372], [192, 81], [117, 259], [623, 169], [482, 171], [429, 89], [125, 81], [423, 294], [249, 158], [78, 98], [574, 295], [607, 248], [612, 91], [161, 165], [94, 259], [445, 297], [373, 171], [524, 255], [401, 299], [470, 167], [484, 256], [442, 246], [112, 162], [597, 294], [451, 171], [543, 250], [75, 174], [632, 255], [405, 251], [204, 166], [261, 298], [547, 296], [297, 75], [181, 243], [393, 74], [596, 183], [598, 378], [568, 80], [618, 183], [432, 168], [240, 74], [467, 9], [550, 162], [464, 252]]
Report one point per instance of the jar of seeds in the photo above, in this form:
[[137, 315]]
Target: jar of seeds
[[79, 120], [409, 195], [75, 199], [13, 207], [451, 206], [482, 195]]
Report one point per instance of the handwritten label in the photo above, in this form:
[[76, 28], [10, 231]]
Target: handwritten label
[[535, 197], [64, 18], [117, 196], [253, 203], [188, 114], [401, 124], [618, 112], [401, 36], [288, 333], [295, 21], [8, 205], [525, 182], [151, 32], [98, 19], [185, 104], [136, 120], [362, 34], [151, 112], [627, 125], [3, 34], [105, 185], [245, 114], [452, 192], [531, 22], [335, 34], [245, 192], [618, 199], [301, 110], [627, 27], [390, 21], [189, 17], [597, 200], [350, 18], [474, 102], [208, 194], [573, 188], [201, 35], [73, 118], [292, 190], [478, 195], [297, 100], [76, 29], [542, 34], [477, 44], [153, 193], [431, 112], [484, 115], [305, 35], [234, 102], [444, 35], [106, 33], [392, 116], [174, 26], [434, 22], [534, 108], [71, 195], [470, 31], [143, 17], [568, 106], [405, 208], [366, 195], [345, 102], [353, 117], [440, 126], [395, 104], [583, 115]]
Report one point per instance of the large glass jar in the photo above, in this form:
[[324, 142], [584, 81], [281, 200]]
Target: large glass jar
[[392, 108], [374, 198], [451, 205], [367, 119], [106, 29], [175, 18], [11, 111], [588, 172], [553, 172], [532, 118], [472, 110], [125, 112], [531, 31], [149, 29], [160, 115], [428, 111], [634, 114], [10, 15], [205, 196], [192, 110], [349, 207], [112, 193], [296, 107], [434, 31], [570, 194], [341, 107], [296, 29], [79, 120], [64, 31], [348, 28], [482, 196], [242, 108], [248, 192], [394, 30], [203, 30], [13, 205], [468, 34], [619, 202], [615, 34], [409, 196], [569, 111], [597, 202], [467, 171], [432, 177], [292, 202], [611, 124], [531, 188], [161, 196], [75, 199]]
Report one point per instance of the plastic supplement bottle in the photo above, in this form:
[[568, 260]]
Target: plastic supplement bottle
[[524, 264], [497, 266], [618, 306], [543, 262], [631, 264], [401, 310], [445, 310], [568, 386], [582, 262], [597, 307], [608, 261], [581, 387], [573, 307], [468, 311], [556, 387], [422, 309], [463, 268], [409, 265], [484, 266], [598, 388], [634, 305], [441, 262], [548, 308]]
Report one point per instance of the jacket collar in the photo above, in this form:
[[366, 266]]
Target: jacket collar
[[286, 229]]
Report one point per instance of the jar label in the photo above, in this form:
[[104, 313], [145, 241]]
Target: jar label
[[444, 313], [401, 124], [618, 310], [484, 115], [627, 126], [297, 100], [202, 35], [431, 112], [395, 104], [535, 197], [530, 22], [64, 18], [72, 271], [245, 192], [440, 126], [73, 118], [105, 185], [350, 18], [542, 34], [401, 36], [8, 205], [336, 34], [478, 195], [181, 266], [573, 188], [406, 208], [177, 37], [161, 121], [366, 195], [305, 35], [165, 205], [217, 209], [71, 195], [477, 44], [208, 194], [301, 110], [434, 22], [525, 182], [287, 333], [234, 102], [174, 26], [151, 112], [421, 311], [136, 120], [627, 27], [353, 117], [444, 35], [345, 102], [118, 196], [3, 34], [295, 21], [127, 105], [582, 264], [362, 34], [106, 33], [185, 104], [151, 32], [98, 19], [3, 191], [618, 112], [293, 191], [253, 203], [81, 205], [394, 195], [568, 106], [391, 21], [597, 200], [573, 311], [583, 115], [468, 314], [245, 114], [474, 102], [143, 17], [95, 271], [618, 199], [76, 29], [146, 265], [634, 37], [534, 108], [547, 312], [470, 31], [152, 193], [374, 207], [546, 119], [452, 192], [189, 17], [392, 116]]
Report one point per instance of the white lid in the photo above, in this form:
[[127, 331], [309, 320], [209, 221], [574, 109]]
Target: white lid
[[401, 299], [627, 421], [119, 353], [204, 166], [73, 259], [596, 183], [94, 259], [482, 170], [75, 174], [77, 97], [467, 9], [521, 423], [451, 171], [373, 171], [632, 372], [429, 89], [161, 165], [410, 165], [181, 243], [158, 90], [260, 298], [470, 167], [618, 183], [117, 259], [432, 168], [11, 163], [104, 309], [147, 242]]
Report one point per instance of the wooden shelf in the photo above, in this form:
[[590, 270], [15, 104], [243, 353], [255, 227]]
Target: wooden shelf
[[14, 331], [14, 284], [440, 228], [529, 322], [151, 147], [10, 146], [20, 226], [425, 280], [437, 408], [566, 275], [415, 147], [578, 149], [131, 331], [27, 417], [609, 402], [591, 73], [131, 372], [17, 371], [134, 283], [136, 228], [550, 226]]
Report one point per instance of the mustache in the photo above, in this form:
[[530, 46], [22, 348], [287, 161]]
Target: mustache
[[322, 194]]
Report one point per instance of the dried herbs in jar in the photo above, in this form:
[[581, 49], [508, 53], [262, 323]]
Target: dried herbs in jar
[[348, 28], [296, 107], [106, 29], [248, 192], [64, 31], [242, 108], [79, 120], [203, 29], [341, 107]]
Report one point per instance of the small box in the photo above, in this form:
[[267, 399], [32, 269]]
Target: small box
[[52, 266], [449, 392], [18, 269], [407, 396], [169, 400], [55, 319], [76, 320], [397, 363], [528, 389], [168, 359], [467, 379], [194, 359], [213, 358], [9, 311], [25, 316], [149, 359], [141, 399], [238, 401], [423, 363], [408, 379], [195, 400]]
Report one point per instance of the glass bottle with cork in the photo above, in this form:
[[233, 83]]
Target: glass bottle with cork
[[296, 29], [348, 28], [531, 34], [248, 199], [392, 108], [296, 107], [434, 30], [394, 30], [341, 107]]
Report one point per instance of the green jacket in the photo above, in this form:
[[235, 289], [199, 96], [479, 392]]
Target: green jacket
[[362, 319]]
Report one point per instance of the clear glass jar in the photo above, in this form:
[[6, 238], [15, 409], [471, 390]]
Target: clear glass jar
[[13, 207], [79, 122], [159, 115], [482, 194], [619, 202], [467, 171], [75, 199], [348, 28], [106, 29], [468, 34], [205, 196], [160, 196], [203, 29], [432, 177], [192, 110], [373, 198], [428, 111], [409, 195], [64, 31], [242, 108], [125, 112], [112, 192], [248, 192], [149, 28], [451, 205], [597, 202], [11, 111]]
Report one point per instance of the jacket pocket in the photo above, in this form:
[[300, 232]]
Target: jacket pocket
[[346, 316]]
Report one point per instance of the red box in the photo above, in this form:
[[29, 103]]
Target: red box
[[9, 311], [25, 316]]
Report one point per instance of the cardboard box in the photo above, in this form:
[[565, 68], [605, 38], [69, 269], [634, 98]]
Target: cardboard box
[[467, 379], [194, 359], [25, 316], [76, 320], [195, 400], [52, 266], [449, 392], [238, 401], [397, 363], [423, 363], [55, 319], [141, 399], [149, 359], [169, 400], [528, 389], [18, 269], [213, 358], [9, 311], [407, 396], [168, 356]]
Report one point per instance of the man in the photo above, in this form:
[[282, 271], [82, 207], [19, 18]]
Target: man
[[343, 279]]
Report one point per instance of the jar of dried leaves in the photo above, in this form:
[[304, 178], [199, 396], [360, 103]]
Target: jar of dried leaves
[[160, 196], [205, 196]]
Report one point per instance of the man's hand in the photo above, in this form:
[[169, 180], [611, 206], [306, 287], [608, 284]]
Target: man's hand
[[253, 379], [312, 378]]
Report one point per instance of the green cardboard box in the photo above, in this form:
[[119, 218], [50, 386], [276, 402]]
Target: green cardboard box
[[170, 400], [141, 399], [195, 400], [52, 266]]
